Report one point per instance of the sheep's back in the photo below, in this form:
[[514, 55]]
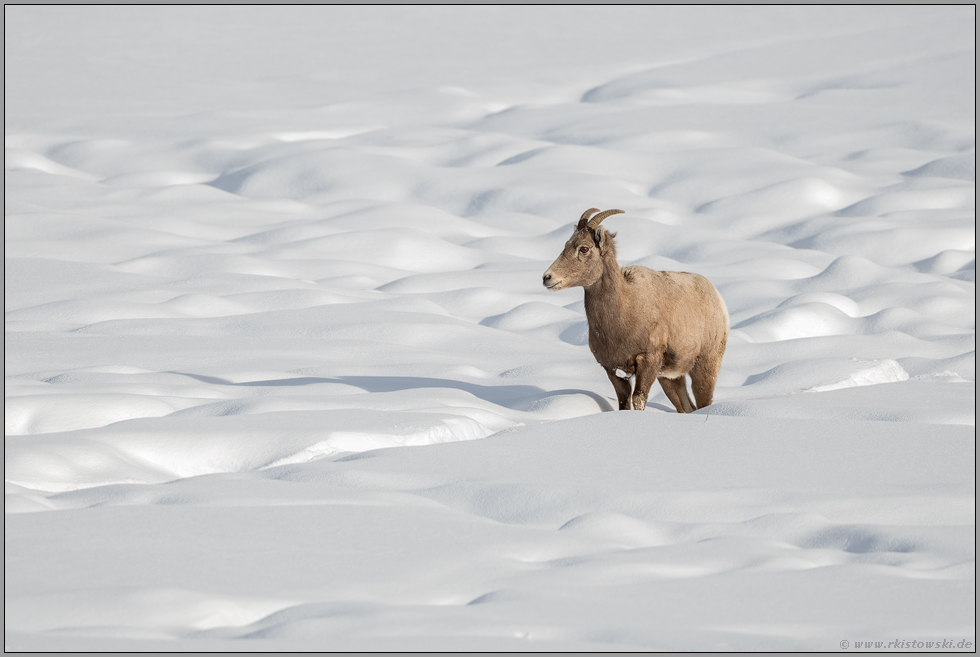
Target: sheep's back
[[683, 308]]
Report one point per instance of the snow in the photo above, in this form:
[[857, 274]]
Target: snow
[[280, 373]]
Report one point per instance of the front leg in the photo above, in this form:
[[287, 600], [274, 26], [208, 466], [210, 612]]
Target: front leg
[[647, 369], [623, 389]]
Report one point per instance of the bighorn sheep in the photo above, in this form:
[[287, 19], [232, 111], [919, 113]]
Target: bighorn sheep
[[645, 324]]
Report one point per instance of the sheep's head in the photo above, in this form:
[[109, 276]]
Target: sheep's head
[[580, 262]]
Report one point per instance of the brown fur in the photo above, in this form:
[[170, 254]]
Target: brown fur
[[653, 325]]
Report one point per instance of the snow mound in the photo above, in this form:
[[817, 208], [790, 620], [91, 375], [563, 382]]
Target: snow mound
[[886, 371], [959, 167]]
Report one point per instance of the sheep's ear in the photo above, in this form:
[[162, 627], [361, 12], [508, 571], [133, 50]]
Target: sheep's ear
[[600, 236]]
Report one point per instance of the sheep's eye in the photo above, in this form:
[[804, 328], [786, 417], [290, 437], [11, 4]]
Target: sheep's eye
[[583, 250]]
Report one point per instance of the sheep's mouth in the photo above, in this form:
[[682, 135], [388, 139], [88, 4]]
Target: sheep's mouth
[[554, 286]]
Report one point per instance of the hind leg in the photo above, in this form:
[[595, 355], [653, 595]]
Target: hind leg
[[676, 391], [704, 375]]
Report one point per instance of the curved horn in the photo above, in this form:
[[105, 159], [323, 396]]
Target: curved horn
[[585, 217], [596, 220]]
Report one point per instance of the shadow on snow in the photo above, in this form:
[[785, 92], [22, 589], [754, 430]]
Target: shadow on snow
[[515, 397]]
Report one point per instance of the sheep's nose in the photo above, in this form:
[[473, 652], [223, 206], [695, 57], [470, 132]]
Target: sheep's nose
[[546, 279]]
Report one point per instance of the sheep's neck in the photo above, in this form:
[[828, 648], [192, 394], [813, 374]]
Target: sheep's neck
[[606, 302]]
